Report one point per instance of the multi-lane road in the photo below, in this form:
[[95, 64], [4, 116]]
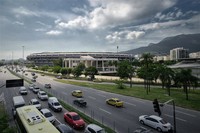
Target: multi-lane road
[[122, 120]]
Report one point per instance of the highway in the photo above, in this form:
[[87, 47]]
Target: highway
[[122, 120]]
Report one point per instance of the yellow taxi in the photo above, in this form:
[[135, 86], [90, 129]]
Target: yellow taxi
[[115, 102], [77, 93]]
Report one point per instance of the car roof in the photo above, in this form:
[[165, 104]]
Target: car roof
[[95, 127], [72, 113], [33, 100], [22, 87], [77, 91], [114, 98], [63, 127], [45, 110], [155, 117], [42, 92]]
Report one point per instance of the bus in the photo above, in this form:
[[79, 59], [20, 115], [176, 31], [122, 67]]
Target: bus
[[31, 120]]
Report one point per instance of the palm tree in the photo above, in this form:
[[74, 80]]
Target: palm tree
[[146, 61], [185, 77]]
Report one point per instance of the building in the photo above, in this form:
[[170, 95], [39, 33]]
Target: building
[[161, 58], [194, 55], [101, 60], [189, 63], [178, 53]]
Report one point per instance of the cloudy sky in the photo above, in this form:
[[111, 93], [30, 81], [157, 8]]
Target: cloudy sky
[[91, 25]]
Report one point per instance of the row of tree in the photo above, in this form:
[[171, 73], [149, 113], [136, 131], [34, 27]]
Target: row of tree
[[151, 71], [144, 68]]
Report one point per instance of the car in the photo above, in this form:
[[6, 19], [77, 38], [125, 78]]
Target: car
[[36, 103], [142, 130], [54, 104], [59, 77], [77, 93], [31, 86], [23, 90], [62, 128], [33, 80], [115, 102], [42, 95], [36, 89], [33, 74], [93, 128], [155, 122], [47, 85], [74, 120], [48, 115], [80, 102]]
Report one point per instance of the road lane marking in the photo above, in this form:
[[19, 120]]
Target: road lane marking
[[65, 93], [130, 103], [185, 113], [57, 120], [105, 111], [92, 97], [176, 118], [101, 95]]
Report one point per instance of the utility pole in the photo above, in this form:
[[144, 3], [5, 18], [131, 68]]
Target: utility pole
[[174, 113]]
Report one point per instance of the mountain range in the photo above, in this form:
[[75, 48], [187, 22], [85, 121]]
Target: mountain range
[[187, 41]]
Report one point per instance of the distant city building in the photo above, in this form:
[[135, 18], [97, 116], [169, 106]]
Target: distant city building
[[161, 58], [195, 55], [178, 53], [101, 60]]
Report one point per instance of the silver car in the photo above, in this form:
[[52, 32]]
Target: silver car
[[42, 95], [48, 115], [93, 128]]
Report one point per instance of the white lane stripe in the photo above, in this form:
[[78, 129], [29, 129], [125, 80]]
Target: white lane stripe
[[92, 97], [185, 113], [130, 103], [101, 95], [104, 111], [176, 118], [57, 120]]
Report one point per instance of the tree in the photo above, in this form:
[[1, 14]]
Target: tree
[[58, 62], [64, 71], [44, 68], [146, 61], [166, 76], [56, 69], [91, 71], [125, 70], [185, 77], [77, 71]]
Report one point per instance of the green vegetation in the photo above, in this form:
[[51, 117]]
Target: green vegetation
[[139, 92], [4, 126]]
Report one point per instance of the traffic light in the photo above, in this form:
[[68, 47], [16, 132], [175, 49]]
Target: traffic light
[[156, 106]]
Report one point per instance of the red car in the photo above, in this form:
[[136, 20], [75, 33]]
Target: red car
[[73, 119]]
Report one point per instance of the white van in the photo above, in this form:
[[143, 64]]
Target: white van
[[54, 104], [18, 101]]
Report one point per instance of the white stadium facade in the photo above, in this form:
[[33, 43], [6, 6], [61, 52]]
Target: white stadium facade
[[101, 60]]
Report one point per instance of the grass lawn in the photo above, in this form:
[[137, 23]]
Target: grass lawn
[[161, 94]]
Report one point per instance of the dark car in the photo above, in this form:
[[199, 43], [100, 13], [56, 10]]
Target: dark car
[[64, 128], [80, 102]]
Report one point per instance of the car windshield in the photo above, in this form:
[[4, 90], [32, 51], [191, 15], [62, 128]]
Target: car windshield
[[163, 121], [101, 131], [48, 114], [43, 93], [56, 104], [35, 102], [76, 117]]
